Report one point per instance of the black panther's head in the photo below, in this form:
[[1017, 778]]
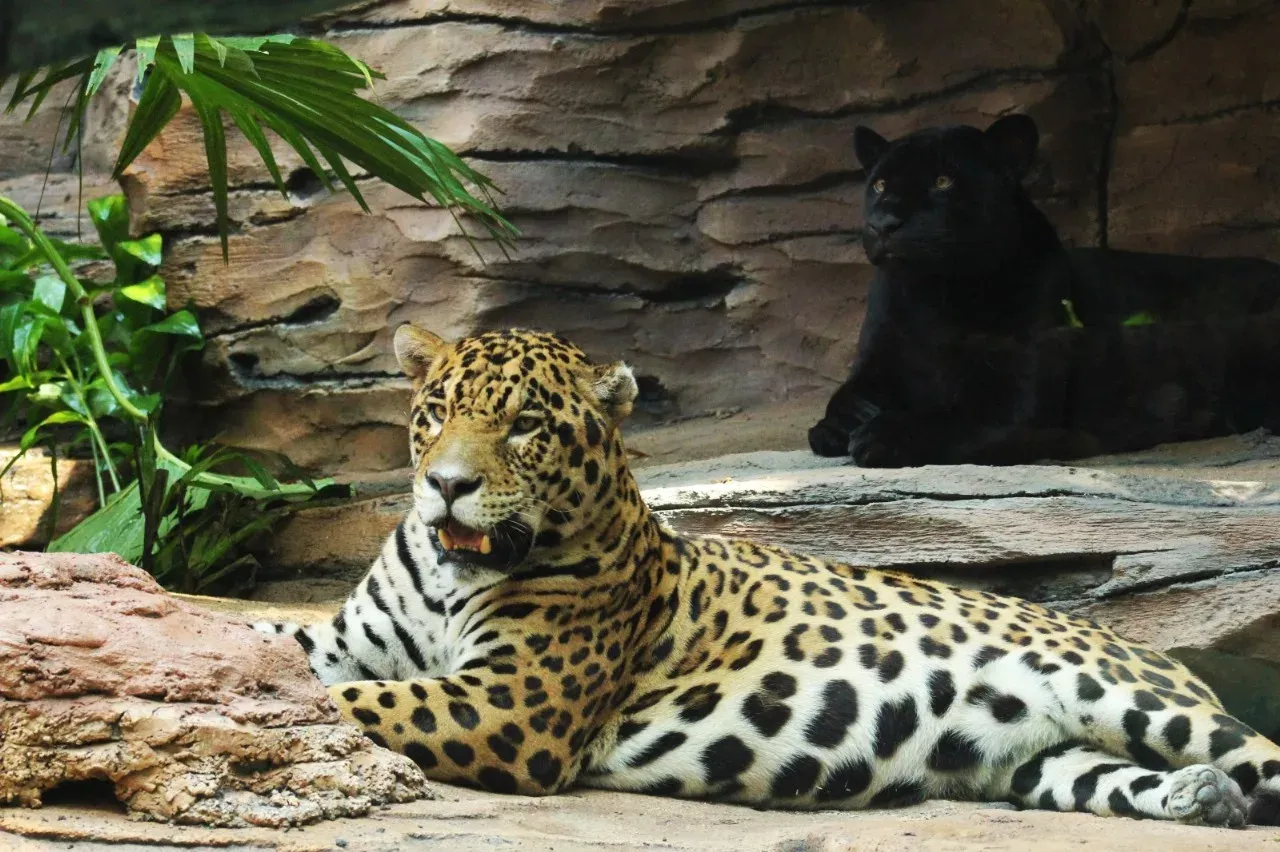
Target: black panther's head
[[946, 198]]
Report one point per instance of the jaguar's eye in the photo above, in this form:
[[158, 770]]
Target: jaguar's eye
[[436, 412], [943, 182], [526, 423], [878, 186]]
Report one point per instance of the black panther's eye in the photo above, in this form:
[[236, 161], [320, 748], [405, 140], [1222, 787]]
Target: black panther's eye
[[943, 182], [878, 186], [436, 412], [526, 423]]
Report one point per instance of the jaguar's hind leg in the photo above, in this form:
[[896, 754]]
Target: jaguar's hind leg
[[1076, 777]]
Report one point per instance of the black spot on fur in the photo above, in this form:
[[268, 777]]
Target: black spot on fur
[[698, 702], [505, 750], [662, 745], [1246, 775], [1227, 737], [1135, 726], [839, 710], [544, 768], [895, 724], [988, 654], [899, 794], [942, 692], [725, 758], [797, 778], [828, 658], [1120, 805], [1086, 786], [890, 666], [667, 787], [1027, 776], [1177, 732], [366, 717], [845, 781], [464, 714], [1008, 708], [954, 752], [497, 780], [459, 752], [1147, 702], [1088, 689], [420, 754], [1143, 783]]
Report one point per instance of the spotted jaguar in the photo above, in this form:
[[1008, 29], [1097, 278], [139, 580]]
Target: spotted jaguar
[[531, 626]]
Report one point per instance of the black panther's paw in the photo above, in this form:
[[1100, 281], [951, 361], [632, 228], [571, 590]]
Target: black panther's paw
[[828, 439], [885, 441]]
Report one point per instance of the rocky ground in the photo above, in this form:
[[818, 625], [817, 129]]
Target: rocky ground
[[462, 821]]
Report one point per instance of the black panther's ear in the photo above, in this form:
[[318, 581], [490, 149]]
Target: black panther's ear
[[869, 146], [1014, 139]]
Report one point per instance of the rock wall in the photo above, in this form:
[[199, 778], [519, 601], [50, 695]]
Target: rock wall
[[683, 175]]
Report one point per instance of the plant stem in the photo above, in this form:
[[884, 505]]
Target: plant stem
[[91, 423]]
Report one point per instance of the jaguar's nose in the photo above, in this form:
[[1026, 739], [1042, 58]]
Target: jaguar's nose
[[451, 488]]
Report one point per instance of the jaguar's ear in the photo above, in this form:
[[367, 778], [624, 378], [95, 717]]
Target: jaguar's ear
[[869, 146], [415, 350], [1014, 139], [614, 386]]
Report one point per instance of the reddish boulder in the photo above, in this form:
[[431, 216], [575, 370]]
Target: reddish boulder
[[191, 716]]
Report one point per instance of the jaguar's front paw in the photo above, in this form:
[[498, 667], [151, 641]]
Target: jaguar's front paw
[[886, 441], [828, 439]]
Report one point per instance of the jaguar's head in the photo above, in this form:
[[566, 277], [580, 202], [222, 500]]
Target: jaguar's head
[[946, 198], [514, 437]]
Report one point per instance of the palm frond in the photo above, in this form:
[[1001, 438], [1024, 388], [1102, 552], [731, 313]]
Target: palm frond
[[304, 91]]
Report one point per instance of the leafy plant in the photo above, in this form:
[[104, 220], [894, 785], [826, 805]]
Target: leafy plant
[[56, 383], [303, 90], [86, 364]]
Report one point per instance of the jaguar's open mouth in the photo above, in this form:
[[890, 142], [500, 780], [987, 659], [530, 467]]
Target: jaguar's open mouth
[[501, 548], [454, 536]]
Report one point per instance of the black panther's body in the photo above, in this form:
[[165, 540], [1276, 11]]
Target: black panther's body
[[969, 351]]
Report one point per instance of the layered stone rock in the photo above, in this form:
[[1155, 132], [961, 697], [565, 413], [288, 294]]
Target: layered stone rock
[[184, 715]]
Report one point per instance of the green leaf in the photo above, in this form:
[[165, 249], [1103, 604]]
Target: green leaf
[[110, 217], [158, 105], [114, 528], [183, 324], [150, 292], [14, 384], [101, 65], [146, 49], [185, 47], [1140, 318], [148, 249], [48, 392], [32, 435], [50, 290]]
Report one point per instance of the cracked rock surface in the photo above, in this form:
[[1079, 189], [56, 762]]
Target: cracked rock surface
[[187, 716]]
